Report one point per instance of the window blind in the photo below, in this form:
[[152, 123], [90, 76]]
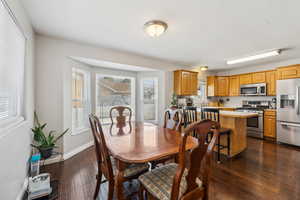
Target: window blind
[[12, 56]]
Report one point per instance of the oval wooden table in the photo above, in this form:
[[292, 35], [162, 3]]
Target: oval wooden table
[[145, 143]]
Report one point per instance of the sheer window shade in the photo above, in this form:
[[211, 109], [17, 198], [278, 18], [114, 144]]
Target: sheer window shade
[[12, 55]]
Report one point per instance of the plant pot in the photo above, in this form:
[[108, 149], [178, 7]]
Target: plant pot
[[173, 107], [46, 152]]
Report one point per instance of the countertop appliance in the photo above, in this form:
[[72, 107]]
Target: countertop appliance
[[254, 89], [288, 111], [255, 125]]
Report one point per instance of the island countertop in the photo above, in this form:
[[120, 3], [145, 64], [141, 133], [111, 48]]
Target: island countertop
[[237, 114]]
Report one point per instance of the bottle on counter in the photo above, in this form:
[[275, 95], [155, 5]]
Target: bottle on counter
[[35, 165]]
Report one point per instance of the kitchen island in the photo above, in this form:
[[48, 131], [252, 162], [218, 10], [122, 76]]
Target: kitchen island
[[237, 122]]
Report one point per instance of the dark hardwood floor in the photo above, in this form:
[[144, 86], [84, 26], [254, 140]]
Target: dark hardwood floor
[[264, 171]]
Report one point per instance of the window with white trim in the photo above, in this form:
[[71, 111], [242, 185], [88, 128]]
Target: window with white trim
[[114, 91], [12, 57], [81, 105]]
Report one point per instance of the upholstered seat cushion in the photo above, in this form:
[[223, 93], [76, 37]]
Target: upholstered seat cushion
[[132, 169], [158, 182]]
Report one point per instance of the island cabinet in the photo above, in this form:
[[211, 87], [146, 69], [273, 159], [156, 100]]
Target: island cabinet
[[271, 77], [288, 72], [259, 77], [270, 124], [245, 79], [234, 86], [222, 86], [185, 82]]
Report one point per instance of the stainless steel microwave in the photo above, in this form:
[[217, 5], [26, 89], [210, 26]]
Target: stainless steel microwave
[[254, 89]]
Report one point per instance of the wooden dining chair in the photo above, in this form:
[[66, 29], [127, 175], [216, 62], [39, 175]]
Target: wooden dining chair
[[174, 181], [214, 114], [172, 119], [105, 165], [121, 117], [189, 116]]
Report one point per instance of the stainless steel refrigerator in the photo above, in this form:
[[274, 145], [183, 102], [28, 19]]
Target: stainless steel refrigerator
[[288, 111]]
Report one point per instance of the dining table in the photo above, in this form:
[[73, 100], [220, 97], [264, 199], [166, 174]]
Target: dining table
[[138, 142]]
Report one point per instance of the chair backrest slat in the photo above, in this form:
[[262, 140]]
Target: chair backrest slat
[[189, 115], [210, 113]]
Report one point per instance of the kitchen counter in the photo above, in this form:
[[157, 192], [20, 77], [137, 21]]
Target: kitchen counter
[[237, 114]]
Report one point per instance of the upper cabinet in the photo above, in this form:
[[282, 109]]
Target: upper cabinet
[[271, 77], [230, 85], [259, 77], [292, 71], [217, 86], [185, 82], [211, 86], [245, 79], [222, 86], [234, 86]]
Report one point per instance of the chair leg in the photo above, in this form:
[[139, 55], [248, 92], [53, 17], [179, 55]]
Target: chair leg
[[111, 187], [98, 184], [219, 138], [141, 192], [228, 144]]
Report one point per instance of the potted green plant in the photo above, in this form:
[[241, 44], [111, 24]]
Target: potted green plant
[[174, 102], [44, 142]]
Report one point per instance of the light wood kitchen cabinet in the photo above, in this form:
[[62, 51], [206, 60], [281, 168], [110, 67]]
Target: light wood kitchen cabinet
[[222, 86], [288, 72], [185, 82], [234, 86], [271, 77], [270, 124], [211, 86], [245, 79], [259, 77]]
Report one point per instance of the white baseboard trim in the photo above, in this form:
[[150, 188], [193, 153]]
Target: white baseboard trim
[[24, 188], [77, 150]]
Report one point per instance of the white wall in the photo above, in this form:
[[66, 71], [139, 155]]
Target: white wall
[[15, 143], [237, 101], [53, 64]]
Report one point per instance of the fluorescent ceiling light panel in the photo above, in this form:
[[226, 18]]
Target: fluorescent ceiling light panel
[[254, 57]]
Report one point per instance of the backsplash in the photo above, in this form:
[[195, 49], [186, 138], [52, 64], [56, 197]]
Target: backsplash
[[237, 101]]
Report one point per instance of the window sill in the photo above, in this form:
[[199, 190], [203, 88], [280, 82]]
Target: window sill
[[79, 131]]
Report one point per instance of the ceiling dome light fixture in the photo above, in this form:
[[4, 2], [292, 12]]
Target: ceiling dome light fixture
[[204, 68], [155, 28]]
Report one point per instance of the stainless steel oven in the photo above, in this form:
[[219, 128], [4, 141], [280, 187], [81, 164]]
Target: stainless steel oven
[[254, 89], [255, 125]]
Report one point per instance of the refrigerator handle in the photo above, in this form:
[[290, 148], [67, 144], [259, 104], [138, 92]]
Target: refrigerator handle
[[297, 100], [289, 124]]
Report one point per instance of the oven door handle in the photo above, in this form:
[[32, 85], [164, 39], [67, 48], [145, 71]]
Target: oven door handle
[[289, 124]]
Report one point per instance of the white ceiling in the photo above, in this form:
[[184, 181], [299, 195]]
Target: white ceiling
[[201, 32]]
